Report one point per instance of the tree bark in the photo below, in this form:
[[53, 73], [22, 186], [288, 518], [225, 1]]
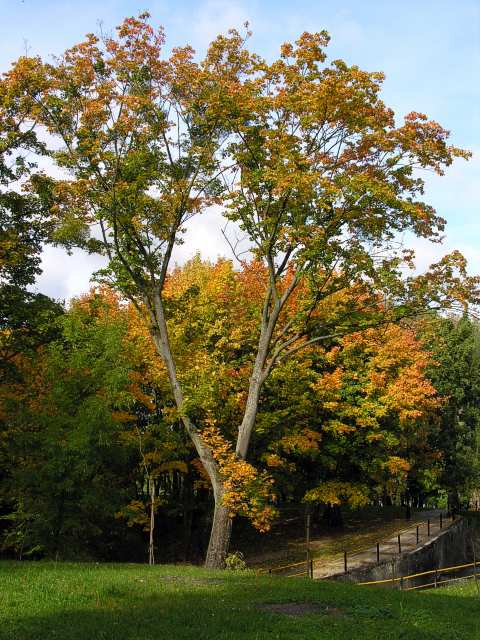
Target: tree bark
[[220, 535], [254, 389]]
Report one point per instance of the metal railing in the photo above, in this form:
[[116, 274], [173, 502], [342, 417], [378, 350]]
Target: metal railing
[[308, 566]]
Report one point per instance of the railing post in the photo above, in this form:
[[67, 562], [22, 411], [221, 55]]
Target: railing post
[[345, 561], [399, 544], [436, 577], [418, 537], [441, 521], [378, 552], [311, 568], [428, 527]]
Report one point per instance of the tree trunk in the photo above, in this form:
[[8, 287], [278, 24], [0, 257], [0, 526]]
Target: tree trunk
[[333, 516], [408, 511], [453, 502], [253, 396], [151, 553], [219, 536]]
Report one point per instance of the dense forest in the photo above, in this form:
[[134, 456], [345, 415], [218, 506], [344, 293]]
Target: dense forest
[[92, 444], [316, 368]]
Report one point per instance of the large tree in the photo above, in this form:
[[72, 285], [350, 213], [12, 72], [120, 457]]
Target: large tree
[[455, 346], [304, 157]]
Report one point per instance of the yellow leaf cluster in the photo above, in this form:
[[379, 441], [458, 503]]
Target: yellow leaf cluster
[[334, 492], [247, 491]]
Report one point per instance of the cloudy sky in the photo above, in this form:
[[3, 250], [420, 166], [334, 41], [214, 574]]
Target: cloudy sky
[[429, 50]]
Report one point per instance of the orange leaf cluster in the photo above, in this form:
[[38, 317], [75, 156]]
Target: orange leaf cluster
[[246, 491]]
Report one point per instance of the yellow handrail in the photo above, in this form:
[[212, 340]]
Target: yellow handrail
[[285, 566], [363, 584], [432, 584], [459, 566], [438, 571]]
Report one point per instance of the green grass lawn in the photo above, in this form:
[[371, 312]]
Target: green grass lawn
[[135, 602]]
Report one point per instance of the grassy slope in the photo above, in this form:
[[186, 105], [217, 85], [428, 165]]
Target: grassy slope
[[93, 602]]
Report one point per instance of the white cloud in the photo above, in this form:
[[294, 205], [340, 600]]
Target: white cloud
[[66, 276], [204, 235], [427, 253]]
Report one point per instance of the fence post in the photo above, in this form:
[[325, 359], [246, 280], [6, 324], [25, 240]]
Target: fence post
[[441, 521], [436, 577], [311, 568], [399, 544], [428, 527], [418, 533], [401, 583], [345, 561], [378, 552], [393, 574]]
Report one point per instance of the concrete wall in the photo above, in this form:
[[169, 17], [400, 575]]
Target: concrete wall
[[453, 546]]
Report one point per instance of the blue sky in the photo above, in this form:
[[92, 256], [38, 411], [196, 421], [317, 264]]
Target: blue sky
[[429, 51]]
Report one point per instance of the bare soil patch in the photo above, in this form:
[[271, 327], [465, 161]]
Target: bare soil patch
[[300, 608], [191, 580]]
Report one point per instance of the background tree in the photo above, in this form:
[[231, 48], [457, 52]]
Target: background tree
[[377, 407], [27, 319], [62, 437], [25, 223], [455, 347]]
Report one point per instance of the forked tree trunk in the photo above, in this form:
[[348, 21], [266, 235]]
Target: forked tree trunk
[[222, 524], [219, 536]]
